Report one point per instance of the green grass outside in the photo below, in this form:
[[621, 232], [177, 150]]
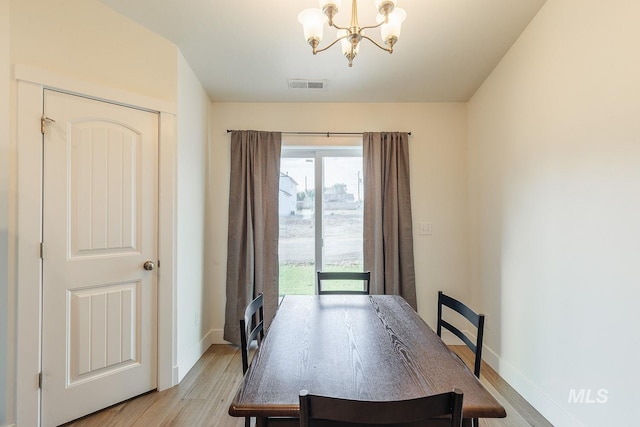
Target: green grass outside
[[301, 279]]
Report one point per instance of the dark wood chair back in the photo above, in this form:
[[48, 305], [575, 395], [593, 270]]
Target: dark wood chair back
[[474, 318], [330, 411], [364, 277], [251, 328]]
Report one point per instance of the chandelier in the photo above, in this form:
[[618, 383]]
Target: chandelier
[[389, 20]]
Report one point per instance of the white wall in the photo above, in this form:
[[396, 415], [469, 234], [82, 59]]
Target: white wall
[[6, 157], [554, 178], [193, 323], [88, 41], [438, 181]]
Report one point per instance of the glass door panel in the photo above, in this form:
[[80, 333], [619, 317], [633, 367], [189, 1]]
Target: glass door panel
[[342, 220], [296, 245]]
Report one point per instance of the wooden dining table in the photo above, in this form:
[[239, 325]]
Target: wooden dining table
[[368, 347]]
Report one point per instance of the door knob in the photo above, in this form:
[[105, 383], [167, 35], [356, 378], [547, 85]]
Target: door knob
[[149, 265]]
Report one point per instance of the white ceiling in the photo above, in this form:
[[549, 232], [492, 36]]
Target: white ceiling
[[246, 50]]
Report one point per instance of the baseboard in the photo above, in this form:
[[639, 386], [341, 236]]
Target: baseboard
[[174, 376], [9, 425], [191, 356], [533, 394], [217, 336]]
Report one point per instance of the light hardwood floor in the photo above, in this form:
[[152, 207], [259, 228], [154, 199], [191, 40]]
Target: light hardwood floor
[[204, 395], [519, 412]]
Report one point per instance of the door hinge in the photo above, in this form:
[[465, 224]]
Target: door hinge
[[40, 380], [43, 123], [41, 250]]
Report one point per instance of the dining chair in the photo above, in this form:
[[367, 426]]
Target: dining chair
[[474, 318], [351, 276], [251, 328], [318, 411]]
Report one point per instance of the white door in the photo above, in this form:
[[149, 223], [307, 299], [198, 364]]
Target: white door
[[99, 229]]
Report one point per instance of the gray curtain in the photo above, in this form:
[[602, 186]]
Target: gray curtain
[[252, 244], [388, 231]]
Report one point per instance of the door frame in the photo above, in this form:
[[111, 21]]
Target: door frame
[[31, 83]]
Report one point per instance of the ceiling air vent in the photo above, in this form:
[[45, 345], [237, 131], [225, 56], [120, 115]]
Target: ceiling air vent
[[307, 84]]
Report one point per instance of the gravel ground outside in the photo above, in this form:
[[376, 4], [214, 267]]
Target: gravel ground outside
[[342, 248], [342, 238]]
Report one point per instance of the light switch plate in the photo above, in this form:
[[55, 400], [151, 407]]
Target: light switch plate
[[425, 229]]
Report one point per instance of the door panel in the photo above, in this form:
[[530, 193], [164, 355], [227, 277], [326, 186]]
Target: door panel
[[103, 337], [99, 228], [103, 178]]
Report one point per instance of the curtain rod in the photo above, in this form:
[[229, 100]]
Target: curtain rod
[[328, 134]]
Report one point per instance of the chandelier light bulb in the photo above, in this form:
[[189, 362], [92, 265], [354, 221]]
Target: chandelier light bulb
[[390, 31], [350, 44], [312, 21]]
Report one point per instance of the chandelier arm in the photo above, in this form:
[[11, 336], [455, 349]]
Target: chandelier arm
[[332, 43], [333, 24], [370, 27], [375, 43]]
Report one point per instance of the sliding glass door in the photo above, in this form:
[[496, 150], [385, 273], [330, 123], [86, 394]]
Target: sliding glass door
[[327, 182]]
